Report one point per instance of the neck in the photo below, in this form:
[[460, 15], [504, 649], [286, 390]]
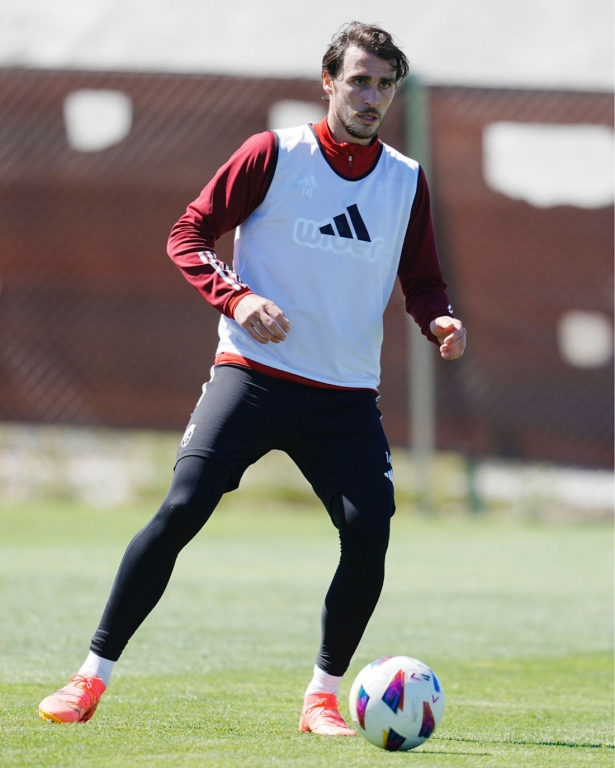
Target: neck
[[352, 161], [341, 135]]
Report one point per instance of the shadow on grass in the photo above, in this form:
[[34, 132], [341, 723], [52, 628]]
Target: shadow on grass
[[438, 752], [531, 743]]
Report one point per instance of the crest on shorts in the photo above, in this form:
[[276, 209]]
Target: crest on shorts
[[187, 435]]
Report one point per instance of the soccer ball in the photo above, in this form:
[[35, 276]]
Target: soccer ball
[[396, 702]]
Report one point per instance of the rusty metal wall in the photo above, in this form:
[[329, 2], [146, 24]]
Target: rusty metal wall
[[514, 270], [98, 328]]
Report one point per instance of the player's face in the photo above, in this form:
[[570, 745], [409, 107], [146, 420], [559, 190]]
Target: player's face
[[359, 96]]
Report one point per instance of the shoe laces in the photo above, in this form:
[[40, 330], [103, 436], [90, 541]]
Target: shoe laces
[[80, 681], [328, 705], [84, 684]]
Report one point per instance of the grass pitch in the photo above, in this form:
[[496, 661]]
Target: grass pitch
[[516, 618]]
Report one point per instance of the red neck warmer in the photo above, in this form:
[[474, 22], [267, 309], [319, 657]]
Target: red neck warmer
[[349, 160]]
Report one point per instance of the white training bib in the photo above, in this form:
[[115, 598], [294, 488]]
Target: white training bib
[[326, 250]]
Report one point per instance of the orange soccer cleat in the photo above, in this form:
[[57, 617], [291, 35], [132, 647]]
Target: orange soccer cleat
[[321, 715], [76, 702]]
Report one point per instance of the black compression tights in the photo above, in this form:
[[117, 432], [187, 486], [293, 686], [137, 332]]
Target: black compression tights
[[146, 567], [362, 515]]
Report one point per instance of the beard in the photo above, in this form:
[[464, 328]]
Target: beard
[[358, 131]]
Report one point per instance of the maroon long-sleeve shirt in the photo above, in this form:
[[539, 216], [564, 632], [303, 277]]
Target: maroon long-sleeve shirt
[[240, 186]]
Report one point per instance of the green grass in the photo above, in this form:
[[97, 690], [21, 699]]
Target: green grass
[[516, 618]]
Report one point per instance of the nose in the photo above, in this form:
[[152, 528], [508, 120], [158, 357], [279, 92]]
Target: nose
[[371, 96]]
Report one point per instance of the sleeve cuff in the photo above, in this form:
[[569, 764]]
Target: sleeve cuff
[[232, 305]]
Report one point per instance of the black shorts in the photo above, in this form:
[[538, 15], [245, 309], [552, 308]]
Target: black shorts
[[335, 437]]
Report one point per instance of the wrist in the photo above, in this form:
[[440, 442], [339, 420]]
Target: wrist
[[237, 298]]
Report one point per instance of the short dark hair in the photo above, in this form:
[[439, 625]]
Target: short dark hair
[[369, 37]]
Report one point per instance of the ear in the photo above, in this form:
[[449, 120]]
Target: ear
[[327, 83]]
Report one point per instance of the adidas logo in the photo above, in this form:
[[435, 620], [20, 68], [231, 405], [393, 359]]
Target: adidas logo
[[308, 184], [345, 234], [343, 227]]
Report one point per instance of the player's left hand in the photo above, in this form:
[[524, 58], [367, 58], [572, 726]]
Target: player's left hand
[[451, 336]]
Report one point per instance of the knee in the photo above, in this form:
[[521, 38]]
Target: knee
[[179, 519], [362, 513], [173, 523], [195, 491]]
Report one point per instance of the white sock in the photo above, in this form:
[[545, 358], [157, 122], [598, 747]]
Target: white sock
[[96, 665], [323, 682]]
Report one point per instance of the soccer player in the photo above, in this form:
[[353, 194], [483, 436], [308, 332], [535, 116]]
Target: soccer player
[[327, 217]]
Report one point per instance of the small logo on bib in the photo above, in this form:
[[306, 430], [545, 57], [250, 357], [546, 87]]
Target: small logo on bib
[[308, 184], [187, 435]]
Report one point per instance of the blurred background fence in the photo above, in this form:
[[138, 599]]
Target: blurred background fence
[[97, 328]]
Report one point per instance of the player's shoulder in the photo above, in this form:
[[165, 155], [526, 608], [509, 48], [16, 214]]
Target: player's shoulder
[[263, 150], [395, 157], [259, 142], [259, 151], [289, 138]]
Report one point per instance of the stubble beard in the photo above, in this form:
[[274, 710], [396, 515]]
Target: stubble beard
[[356, 131]]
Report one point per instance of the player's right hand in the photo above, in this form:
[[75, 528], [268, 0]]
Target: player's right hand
[[263, 320]]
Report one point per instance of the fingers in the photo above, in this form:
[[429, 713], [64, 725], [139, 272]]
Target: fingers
[[454, 345], [269, 324], [263, 320], [279, 318], [451, 336], [264, 329]]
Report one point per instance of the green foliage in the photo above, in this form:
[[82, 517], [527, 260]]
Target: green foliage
[[516, 618]]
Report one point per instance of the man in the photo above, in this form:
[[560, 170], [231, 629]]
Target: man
[[327, 217]]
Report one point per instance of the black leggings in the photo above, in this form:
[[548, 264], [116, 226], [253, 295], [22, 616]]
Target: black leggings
[[361, 514]]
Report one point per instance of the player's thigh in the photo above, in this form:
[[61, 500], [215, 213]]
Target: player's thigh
[[229, 422], [344, 448]]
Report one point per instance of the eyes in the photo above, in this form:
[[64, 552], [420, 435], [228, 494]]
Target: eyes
[[363, 81]]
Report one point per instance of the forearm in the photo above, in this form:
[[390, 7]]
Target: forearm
[[191, 248], [236, 190], [419, 270], [425, 301]]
